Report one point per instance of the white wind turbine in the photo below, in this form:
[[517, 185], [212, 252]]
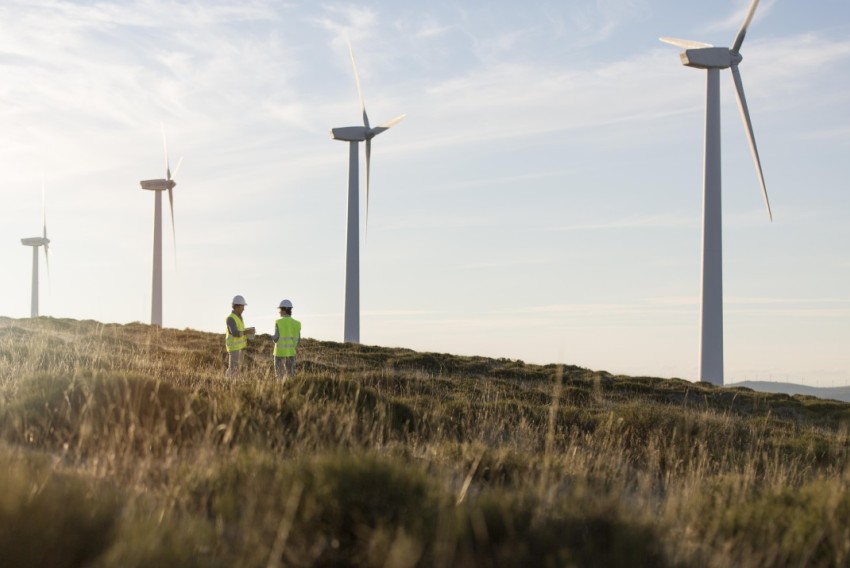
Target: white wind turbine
[[354, 135], [158, 186], [713, 59], [36, 242]]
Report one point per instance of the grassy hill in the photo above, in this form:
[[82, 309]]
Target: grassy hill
[[835, 393], [125, 445]]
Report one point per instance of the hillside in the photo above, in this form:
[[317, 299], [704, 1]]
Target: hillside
[[125, 445], [833, 393]]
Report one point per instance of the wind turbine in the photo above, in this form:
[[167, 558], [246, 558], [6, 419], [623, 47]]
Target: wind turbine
[[158, 186], [713, 59], [36, 242], [354, 135]]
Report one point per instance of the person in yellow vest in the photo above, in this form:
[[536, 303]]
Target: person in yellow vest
[[287, 336], [236, 339]]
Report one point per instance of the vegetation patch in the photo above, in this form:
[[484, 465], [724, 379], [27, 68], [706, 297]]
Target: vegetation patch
[[49, 518]]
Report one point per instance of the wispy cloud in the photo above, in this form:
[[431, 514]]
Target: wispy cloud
[[785, 301], [350, 22], [732, 23], [430, 28], [839, 133], [598, 21], [651, 222], [400, 313], [597, 309], [505, 263], [803, 307]]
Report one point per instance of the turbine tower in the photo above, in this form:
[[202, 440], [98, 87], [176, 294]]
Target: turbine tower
[[158, 186], [713, 59], [354, 135], [36, 242]]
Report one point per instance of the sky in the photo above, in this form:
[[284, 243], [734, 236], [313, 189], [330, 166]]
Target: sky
[[541, 201]]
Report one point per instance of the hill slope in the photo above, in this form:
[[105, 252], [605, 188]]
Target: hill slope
[[833, 393], [124, 445]]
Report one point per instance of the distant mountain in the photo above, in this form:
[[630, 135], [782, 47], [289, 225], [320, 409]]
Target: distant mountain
[[834, 393]]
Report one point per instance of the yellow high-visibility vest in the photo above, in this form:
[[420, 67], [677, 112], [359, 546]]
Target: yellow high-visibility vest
[[232, 342], [289, 334]]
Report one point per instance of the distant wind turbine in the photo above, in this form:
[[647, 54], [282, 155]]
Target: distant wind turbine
[[712, 59], [158, 186], [36, 242], [354, 135]]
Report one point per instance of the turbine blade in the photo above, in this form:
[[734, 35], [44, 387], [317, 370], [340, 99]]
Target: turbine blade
[[47, 262], [173, 230], [165, 148], [387, 125], [176, 169], [43, 206], [748, 126], [359, 89], [743, 31], [368, 160], [684, 43]]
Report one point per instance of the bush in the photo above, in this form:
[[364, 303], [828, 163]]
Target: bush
[[500, 530], [341, 509], [89, 412], [51, 519]]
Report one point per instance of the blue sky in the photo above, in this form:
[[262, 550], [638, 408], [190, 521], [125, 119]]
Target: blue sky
[[541, 201]]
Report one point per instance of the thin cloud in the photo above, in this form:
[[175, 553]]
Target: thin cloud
[[784, 301], [652, 222], [399, 313], [430, 29], [347, 23], [507, 263], [732, 22], [598, 21], [819, 313], [598, 309], [840, 133], [747, 300], [674, 301]]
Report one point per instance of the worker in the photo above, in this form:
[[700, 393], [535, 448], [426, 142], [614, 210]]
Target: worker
[[236, 339], [287, 336]]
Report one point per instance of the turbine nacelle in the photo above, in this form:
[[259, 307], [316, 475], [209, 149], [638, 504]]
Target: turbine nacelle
[[35, 241], [158, 184], [351, 133], [710, 58]]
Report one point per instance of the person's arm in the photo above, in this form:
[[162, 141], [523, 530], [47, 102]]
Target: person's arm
[[276, 334], [234, 331]]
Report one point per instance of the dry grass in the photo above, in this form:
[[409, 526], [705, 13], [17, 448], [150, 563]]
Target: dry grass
[[125, 445]]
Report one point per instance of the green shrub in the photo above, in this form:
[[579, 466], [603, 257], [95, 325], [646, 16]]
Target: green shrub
[[346, 509], [500, 530], [87, 412], [52, 519], [806, 526]]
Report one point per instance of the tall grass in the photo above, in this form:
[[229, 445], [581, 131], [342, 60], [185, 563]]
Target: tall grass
[[125, 445]]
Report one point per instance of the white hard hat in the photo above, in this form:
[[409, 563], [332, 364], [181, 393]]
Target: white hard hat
[[239, 300], [285, 304]]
